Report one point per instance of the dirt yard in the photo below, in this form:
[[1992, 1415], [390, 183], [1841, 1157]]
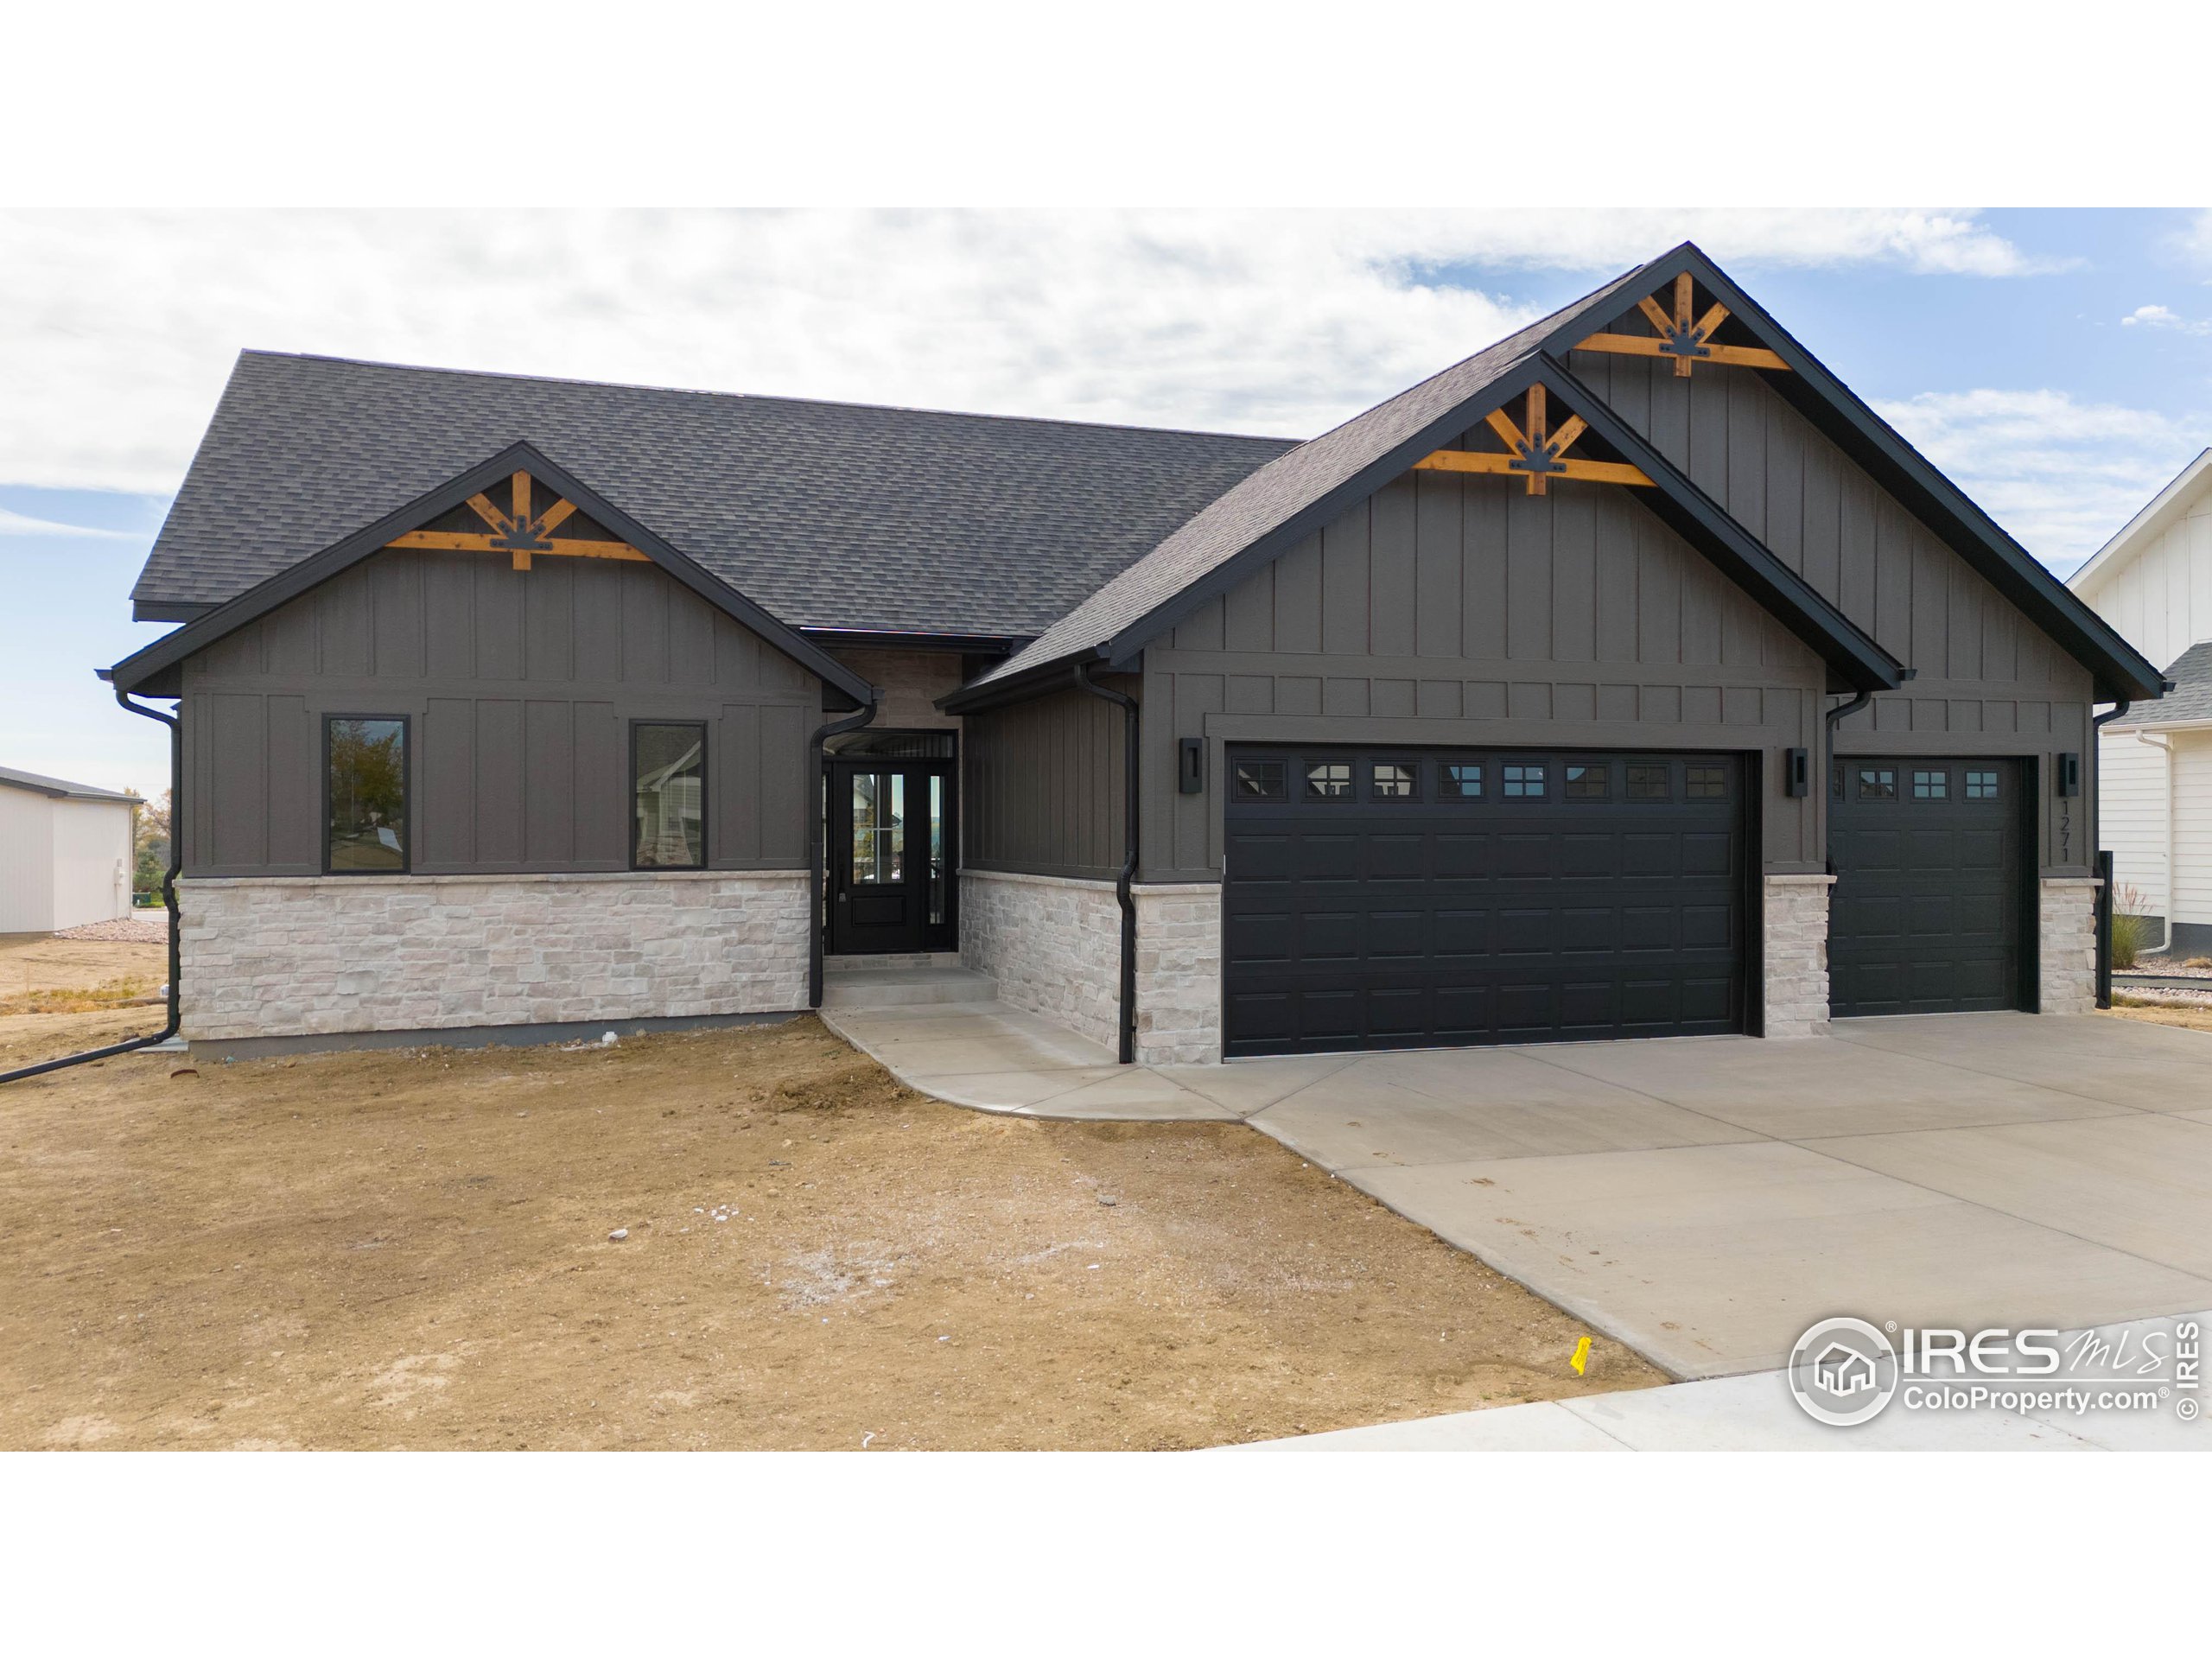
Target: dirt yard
[[412, 1249], [40, 973], [2194, 1016]]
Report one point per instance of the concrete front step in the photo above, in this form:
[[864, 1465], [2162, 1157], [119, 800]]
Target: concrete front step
[[901, 988], [910, 960]]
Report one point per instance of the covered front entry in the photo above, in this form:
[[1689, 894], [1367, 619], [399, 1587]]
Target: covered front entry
[[1426, 897], [893, 842], [1930, 908]]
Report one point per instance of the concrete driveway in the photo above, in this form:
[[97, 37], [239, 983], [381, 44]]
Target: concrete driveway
[[1705, 1199]]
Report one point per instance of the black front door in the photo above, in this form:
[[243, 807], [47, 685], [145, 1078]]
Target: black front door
[[891, 842]]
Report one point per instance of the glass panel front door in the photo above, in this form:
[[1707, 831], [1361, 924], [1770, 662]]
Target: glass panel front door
[[889, 893]]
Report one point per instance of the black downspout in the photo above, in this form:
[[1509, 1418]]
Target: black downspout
[[1121, 893], [1836, 717], [818, 833], [2104, 875], [168, 899]]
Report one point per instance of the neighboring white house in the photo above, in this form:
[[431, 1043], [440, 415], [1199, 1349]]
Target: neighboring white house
[[2153, 583], [65, 852]]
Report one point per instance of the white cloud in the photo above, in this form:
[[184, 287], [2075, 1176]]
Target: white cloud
[[2158, 316], [118, 330], [2062, 476], [17, 523]]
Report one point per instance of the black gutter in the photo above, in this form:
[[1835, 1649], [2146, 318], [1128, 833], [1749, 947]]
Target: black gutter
[[169, 898], [1121, 893], [817, 834]]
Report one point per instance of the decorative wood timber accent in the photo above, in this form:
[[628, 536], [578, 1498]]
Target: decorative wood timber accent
[[1687, 342], [1536, 455], [517, 531]]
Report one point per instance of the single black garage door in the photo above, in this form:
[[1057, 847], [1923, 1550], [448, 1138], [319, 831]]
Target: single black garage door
[[1419, 899], [1927, 912]]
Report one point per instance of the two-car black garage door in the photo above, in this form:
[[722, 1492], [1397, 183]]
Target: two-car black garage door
[[1424, 898]]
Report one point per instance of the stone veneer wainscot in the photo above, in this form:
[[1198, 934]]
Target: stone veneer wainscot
[[1796, 940], [2068, 952], [276, 956]]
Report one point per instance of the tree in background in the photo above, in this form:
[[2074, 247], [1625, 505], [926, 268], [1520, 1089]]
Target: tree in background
[[151, 844]]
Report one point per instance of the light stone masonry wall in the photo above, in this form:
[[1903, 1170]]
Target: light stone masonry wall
[[1054, 943], [1796, 940], [2068, 953], [300, 955], [1179, 973]]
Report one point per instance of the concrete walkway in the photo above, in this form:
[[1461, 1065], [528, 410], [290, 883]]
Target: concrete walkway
[[1755, 1414], [1705, 1199]]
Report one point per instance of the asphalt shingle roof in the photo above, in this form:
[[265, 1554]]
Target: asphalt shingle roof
[[2191, 698], [827, 515], [1272, 495]]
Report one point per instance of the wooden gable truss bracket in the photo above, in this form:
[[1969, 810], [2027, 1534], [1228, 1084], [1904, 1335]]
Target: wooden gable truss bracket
[[518, 532], [1687, 342], [1537, 455]]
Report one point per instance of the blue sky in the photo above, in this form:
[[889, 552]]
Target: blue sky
[[2058, 364]]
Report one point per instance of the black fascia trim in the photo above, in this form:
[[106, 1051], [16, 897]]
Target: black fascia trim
[[158, 610], [1815, 392], [973, 645], [1051, 676], [1856, 661], [265, 596]]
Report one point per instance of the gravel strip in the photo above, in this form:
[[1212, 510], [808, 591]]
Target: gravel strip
[[123, 930]]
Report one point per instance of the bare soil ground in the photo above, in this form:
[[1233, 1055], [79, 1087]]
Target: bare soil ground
[[46, 973], [412, 1250]]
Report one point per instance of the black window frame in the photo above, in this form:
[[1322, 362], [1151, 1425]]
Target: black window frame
[[1936, 780], [1718, 774], [1451, 787], [1983, 785], [1351, 781], [1410, 766], [1666, 771], [1237, 792], [705, 728], [1604, 769], [1885, 790], [1505, 784], [406, 724]]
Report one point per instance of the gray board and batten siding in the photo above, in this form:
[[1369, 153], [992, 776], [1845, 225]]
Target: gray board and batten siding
[[1987, 680], [1457, 610], [520, 687], [1042, 784]]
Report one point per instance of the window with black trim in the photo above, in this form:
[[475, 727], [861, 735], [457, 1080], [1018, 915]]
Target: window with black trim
[[1705, 783], [1328, 780], [1394, 781], [667, 770], [1260, 781], [1523, 780], [1981, 785], [1588, 783], [1930, 786], [366, 767], [1877, 782], [1650, 783], [1462, 781]]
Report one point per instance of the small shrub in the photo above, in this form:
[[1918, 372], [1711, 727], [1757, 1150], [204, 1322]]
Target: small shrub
[[2130, 928]]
